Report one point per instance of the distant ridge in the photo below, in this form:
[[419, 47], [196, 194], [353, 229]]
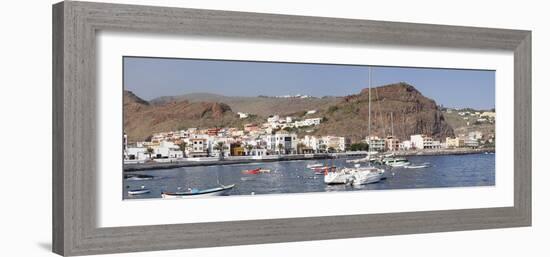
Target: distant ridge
[[262, 106]]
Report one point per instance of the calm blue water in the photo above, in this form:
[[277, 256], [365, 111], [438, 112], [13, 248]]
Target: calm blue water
[[294, 177]]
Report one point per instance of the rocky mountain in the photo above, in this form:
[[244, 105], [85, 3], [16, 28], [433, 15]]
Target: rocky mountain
[[399, 105], [142, 119]]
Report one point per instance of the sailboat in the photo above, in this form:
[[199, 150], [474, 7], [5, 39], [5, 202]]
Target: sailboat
[[357, 175]]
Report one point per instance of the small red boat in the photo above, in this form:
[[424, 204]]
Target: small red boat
[[324, 170], [251, 172]]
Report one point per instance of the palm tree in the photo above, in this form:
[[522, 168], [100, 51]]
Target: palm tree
[[150, 151], [182, 146], [249, 148], [280, 147], [220, 147]]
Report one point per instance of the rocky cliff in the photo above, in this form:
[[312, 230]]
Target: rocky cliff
[[399, 106], [142, 119]]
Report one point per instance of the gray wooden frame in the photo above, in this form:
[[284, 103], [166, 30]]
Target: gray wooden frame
[[74, 129]]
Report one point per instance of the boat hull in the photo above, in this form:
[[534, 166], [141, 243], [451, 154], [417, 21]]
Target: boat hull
[[199, 194], [139, 192], [370, 178], [340, 177]]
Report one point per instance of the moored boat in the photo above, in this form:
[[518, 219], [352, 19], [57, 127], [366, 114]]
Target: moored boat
[[252, 171], [323, 170], [138, 177], [314, 165], [396, 162], [196, 193], [369, 175], [341, 176], [418, 166], [139, 191]]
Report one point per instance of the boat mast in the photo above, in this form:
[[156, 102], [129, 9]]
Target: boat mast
[[370, 81], [391, 118]]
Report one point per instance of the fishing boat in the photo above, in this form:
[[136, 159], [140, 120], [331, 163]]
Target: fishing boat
[[314, 165], [140, 191], [196, 193], [251, 172], [418, 166]]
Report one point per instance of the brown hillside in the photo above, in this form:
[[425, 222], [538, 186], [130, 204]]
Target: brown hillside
[[347, 116], [261, 106], [413, 113], [142, 119]]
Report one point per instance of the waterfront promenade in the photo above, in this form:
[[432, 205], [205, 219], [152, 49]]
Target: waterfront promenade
[[212, 161]]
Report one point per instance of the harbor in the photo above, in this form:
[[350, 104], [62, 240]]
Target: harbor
[[295, 177], [341, 143], [186, 162]]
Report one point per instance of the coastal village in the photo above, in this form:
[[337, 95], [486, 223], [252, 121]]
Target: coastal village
[[277, 137], [389, 136]]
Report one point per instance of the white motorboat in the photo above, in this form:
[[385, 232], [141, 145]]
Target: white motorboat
[[196, 193], [355, 176], [341, 176], [396, 162], [369, 175]]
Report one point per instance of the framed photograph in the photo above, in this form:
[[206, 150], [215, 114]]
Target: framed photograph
[[183, 128]]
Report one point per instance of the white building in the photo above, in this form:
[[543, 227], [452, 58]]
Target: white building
[[475, 135], [424, 142], [273, 119], [167, 150], [282, 143], [311, 142], [136, 153], [337, 143], [308, 122], [257, 152], [405, 145], [242, 115], [198, 146], [376, 144], [470, 142]]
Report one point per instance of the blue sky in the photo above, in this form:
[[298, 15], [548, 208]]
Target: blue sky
[[153, 77]]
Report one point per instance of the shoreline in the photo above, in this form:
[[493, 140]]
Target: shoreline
[[274, 158]]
